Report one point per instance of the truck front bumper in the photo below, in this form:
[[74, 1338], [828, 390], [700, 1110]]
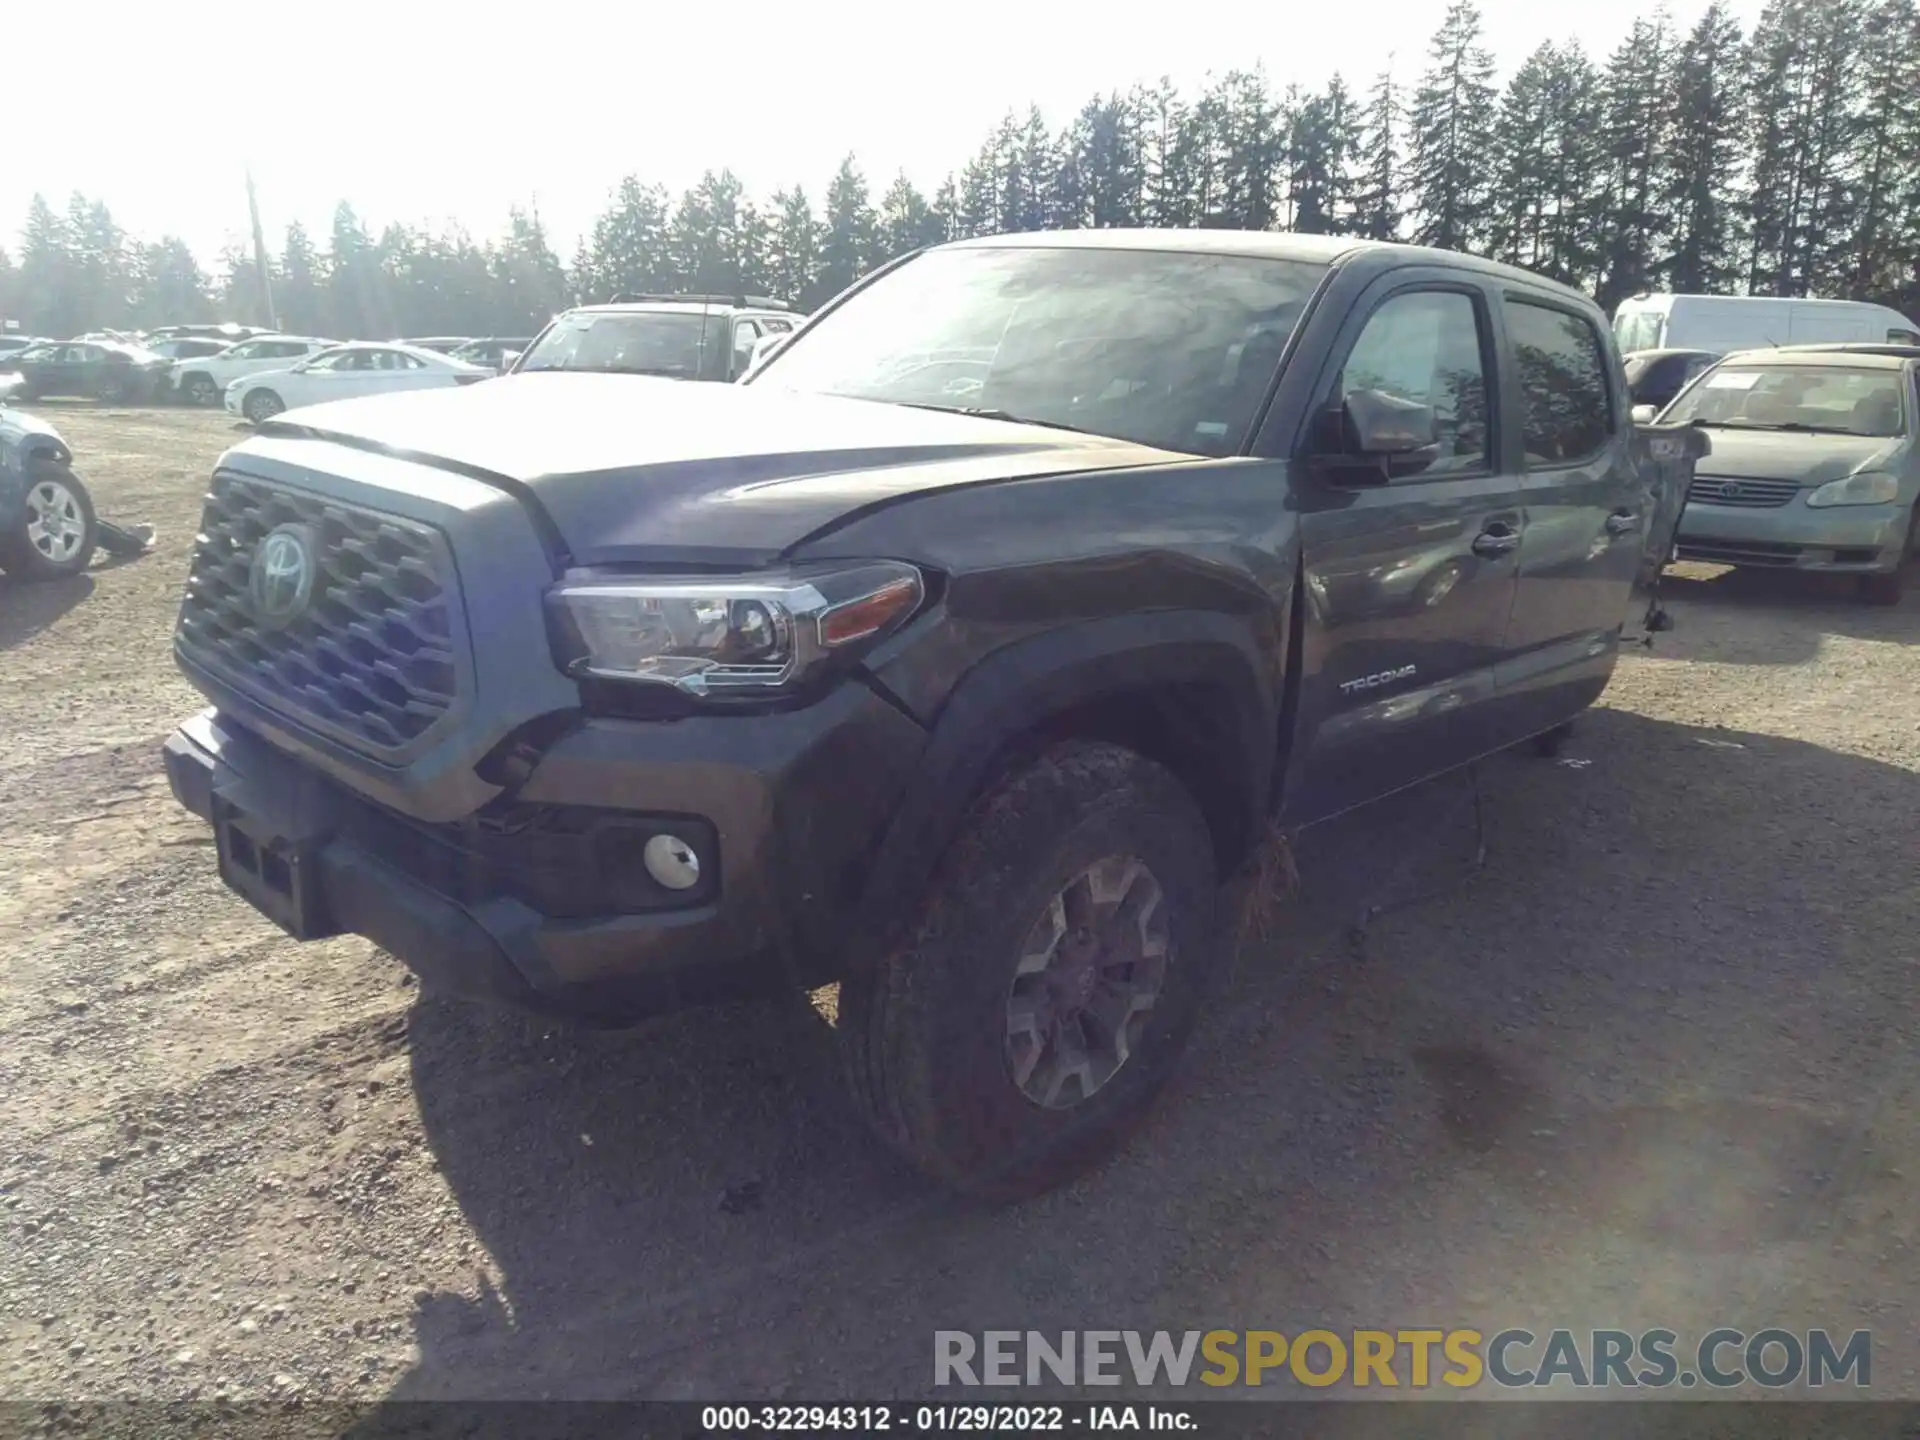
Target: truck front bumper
[[544, 903], [1856, 539]]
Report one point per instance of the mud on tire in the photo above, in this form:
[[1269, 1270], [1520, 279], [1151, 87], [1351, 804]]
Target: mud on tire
[[925, 1031]]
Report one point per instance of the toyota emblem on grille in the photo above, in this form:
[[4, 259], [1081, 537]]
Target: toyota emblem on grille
[[280, 584], [1730, 491]]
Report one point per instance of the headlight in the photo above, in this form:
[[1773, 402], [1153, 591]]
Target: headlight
[[1872, 488], [744, 634]]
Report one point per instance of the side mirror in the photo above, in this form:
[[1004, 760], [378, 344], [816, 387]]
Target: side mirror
[[1645, 414], [1357, 441], [508, 358], [1383, 425], [763, 350]]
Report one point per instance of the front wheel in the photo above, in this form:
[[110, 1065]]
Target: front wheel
[[200, 390], [115, 390], [57, 536], [262, 405], [1049, 982]]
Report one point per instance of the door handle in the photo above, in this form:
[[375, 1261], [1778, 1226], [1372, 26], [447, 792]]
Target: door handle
[[1497, 539], [1622, 521]]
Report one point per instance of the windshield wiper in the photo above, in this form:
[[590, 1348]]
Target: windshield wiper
[[1796, 426], [984, 412]]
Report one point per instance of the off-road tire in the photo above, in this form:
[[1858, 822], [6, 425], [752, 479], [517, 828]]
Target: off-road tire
[[18, 555], [924, 1029]]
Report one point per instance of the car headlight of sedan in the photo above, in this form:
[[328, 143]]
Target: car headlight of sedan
[[1871, 488], [736, 635]]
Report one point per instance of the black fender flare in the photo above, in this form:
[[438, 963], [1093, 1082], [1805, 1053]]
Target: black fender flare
[[1014, 700]]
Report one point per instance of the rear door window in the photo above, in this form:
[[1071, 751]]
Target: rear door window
[[1566, 410]]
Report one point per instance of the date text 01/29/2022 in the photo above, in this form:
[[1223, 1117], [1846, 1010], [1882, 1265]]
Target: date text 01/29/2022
[[965, 1419]]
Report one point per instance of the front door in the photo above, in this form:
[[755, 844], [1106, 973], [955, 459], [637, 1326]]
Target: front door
[[1408, 580], [1587, 513]]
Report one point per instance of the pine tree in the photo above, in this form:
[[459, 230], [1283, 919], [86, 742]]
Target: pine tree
[[297, 293], [530, 286], [1698, 175], [49, 283], [1569, 234], [1635, 119], [848, 247], [793, 259], [906, 220], [1104, 145], [103, 268], [1252, 143], [1884, 248], [1342, 119], [946, 212], [1806, 83], [1377, 203], [708, 237], [628, 250], [1451, 136], [356, 289], [1163, 122], [1313, 165], [1524, 162], [169, 285]]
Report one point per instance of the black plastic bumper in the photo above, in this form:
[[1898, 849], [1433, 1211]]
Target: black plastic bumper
[[791, 830]]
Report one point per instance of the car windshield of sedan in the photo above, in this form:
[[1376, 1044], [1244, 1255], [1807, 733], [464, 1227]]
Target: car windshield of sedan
[[1174, 350], [662, 342], [1833, 400]]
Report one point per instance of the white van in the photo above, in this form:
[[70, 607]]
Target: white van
[[1722, 323]]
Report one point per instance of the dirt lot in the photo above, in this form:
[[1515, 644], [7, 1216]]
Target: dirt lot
[[1654, 1065]]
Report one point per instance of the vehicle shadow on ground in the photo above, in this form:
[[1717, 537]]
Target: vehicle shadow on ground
[[27, 608], [691, 1209], [1805, 607]]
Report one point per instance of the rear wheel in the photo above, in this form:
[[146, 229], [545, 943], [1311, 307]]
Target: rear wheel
[[262, 405], [1050, 981], [56, 538], [114, 389]]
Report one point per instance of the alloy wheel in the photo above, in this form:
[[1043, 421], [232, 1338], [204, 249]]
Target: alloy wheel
[[1091, 970]]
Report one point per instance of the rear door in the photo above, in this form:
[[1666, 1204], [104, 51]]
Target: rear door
[[1586, 512], [1409, 580]]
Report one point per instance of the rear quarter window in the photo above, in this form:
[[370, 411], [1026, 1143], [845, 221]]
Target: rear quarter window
[[1566, 405]]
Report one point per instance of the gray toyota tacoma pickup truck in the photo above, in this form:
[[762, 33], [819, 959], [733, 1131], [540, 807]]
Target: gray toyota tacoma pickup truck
[[956, 656]]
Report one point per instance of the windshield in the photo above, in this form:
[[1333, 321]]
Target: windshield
[[1638, 329], [1832, 399], [1166, 349], [659, 342]]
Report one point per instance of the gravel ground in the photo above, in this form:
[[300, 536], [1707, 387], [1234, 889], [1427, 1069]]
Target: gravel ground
[[1653, 1064]]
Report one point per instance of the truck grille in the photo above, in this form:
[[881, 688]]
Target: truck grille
[[1747, 494], [374, 658]]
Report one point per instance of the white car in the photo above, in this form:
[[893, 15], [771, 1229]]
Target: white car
[[347, 371], [202, 381]]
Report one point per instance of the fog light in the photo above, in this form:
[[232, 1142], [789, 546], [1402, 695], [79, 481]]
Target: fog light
[[671, 861]]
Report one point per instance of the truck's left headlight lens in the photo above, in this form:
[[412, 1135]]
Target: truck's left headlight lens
[[1872, 488], [730, 634]]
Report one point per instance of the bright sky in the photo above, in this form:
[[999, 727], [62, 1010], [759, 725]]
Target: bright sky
[[430, 111]]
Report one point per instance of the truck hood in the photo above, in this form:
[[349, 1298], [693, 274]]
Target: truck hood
[[1806, 459], [639, 470]]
